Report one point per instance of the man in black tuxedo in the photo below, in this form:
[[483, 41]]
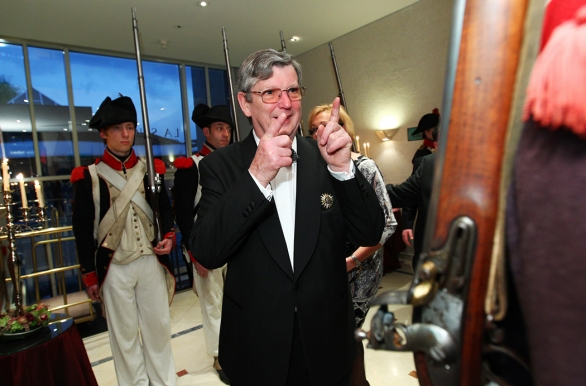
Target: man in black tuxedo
[[416, 192], [278, 208]]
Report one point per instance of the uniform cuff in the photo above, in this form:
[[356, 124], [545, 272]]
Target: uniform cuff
[[90, 279]]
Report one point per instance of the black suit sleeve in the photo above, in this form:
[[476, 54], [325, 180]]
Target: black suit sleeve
[[168, 223], [364, 217], [219, 230], [408, 193], [186, 181], [83, 223]]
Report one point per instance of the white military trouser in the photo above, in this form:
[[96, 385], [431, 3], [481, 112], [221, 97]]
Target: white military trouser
[[135, 296], [210, 291]]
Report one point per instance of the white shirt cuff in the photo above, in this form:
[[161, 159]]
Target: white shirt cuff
[[344, 176], [267, 192]]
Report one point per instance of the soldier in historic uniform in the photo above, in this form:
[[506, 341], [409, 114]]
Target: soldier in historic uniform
[[427, 124], [216, 124], [120, 264]]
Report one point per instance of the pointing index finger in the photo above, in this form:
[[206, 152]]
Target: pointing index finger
[[335, 115]]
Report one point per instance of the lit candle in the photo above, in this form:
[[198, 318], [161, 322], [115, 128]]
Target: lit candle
[[5, 175], [364, 147], [368, 149], [39, 194], [358, 144], [19, 177]]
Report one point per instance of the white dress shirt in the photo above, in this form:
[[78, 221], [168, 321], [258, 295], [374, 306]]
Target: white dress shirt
[[283, 189]]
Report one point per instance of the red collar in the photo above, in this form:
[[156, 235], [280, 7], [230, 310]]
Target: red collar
[[206, 149], [113, 162], [428, 143]]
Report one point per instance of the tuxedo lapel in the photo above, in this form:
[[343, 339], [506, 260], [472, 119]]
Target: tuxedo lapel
[[270, 230], [308, 210]]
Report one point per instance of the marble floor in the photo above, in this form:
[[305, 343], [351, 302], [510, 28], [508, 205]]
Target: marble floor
[[194, 366]]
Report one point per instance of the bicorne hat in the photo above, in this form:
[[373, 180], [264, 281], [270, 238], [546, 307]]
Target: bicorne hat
[[112, 112], [428, 121], [203, 116]]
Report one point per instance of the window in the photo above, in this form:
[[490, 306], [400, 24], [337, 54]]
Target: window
[[163, 95], [196, 94], [53, 123], [15, 119], [93, 78], [57, 117]]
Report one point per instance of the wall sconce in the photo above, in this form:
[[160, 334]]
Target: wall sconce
[[386, 135]]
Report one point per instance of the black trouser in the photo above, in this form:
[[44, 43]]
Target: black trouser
[[298, 373]]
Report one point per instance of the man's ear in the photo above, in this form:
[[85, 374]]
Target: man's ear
[[244, 104], [103, 134], [206, 131]]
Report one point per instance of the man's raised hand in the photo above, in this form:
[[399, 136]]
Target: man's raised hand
[[334, 142], [273, 153]]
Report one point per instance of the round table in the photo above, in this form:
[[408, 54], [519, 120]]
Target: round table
[[53, 356]]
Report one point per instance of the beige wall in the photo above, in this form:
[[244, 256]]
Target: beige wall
[[393, 68]]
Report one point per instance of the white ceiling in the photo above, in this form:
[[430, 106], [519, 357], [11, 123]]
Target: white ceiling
[[192, 33]]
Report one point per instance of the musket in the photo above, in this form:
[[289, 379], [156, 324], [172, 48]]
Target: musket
[[450, 284], [232, 96], [340, 89], [154, 179], [283, 46]]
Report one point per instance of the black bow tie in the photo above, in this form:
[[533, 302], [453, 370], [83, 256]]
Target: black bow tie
[[294, 156]]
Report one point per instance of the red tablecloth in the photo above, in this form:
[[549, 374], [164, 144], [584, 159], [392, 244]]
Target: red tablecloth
[[60, 361]]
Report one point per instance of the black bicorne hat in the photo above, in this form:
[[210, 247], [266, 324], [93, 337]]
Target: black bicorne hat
[[428, 121], [112, 112], [203, 116]]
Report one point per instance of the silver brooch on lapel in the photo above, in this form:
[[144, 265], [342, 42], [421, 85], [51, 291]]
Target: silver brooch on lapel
[[327, 200]]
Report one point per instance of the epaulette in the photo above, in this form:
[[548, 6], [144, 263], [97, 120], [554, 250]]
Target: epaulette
[[78, 174], [160, 167], [183, 162]]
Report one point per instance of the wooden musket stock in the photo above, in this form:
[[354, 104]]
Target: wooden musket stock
[[470, 162], [450, 285]]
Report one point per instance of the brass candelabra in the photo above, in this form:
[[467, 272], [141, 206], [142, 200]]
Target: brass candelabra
[[12, 227]]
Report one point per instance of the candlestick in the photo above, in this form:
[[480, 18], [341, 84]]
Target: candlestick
[[5, 175], [19, 177], [358, 144], [39, 192], [364, 149]]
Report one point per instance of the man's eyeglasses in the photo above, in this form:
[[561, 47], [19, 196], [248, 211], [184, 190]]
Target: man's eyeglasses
[[274, 94]]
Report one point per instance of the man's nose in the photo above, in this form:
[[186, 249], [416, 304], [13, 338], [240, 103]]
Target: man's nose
[[284, 100]]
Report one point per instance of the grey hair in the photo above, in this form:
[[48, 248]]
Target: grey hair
[[259, 66]]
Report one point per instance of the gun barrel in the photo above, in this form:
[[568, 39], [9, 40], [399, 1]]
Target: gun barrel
[[232, 95], [283, 46], [341, 93], [153, 186]]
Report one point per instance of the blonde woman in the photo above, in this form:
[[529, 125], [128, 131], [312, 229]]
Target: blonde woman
[[364, 264]]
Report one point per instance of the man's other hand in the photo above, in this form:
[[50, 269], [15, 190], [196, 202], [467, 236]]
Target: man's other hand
[[201, 270], [164, 247], [93, 292], [408, 237], [334, 142]]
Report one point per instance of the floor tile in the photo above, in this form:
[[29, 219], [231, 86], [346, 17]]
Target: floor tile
[[382, 367]]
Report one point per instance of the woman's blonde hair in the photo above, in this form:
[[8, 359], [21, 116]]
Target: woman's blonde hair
[[344, 120]]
